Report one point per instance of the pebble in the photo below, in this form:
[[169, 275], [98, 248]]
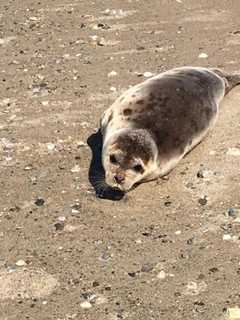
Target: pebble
[[51, 146], [194, 288], [178, 232], [81, 144], [70, 228], [39, 202], [107, 12], [75, 211], [86, 305], [61, 218], [29, 167], [100, 300], [103, 26], [203, 200], [112, 74], [203, 55], [113, 89], [204, 173], [161, 275], [20, 263], [212, 153], [233, 152], [233, 313], [227, 237], [117, 13], [6, 40], [95, 283], [59, 226], [148, 267], [148, 74], [132, 274], [76, 168], [233, 212], [94, 38], [45, 103]]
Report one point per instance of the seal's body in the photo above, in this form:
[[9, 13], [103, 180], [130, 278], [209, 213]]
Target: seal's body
[[150, 128]]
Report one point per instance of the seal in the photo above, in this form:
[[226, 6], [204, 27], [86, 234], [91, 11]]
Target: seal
[[154, 124]]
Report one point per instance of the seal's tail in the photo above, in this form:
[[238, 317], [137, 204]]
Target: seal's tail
[[231, 80]]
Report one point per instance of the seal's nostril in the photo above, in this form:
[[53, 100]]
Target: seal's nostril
[[119, 179]]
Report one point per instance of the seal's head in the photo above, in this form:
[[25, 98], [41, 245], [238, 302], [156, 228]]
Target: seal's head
[[129, 157]]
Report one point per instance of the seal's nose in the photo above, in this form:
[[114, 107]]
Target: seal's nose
[[119, 179]]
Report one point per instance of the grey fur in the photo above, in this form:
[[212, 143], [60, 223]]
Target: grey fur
[[175, 110]]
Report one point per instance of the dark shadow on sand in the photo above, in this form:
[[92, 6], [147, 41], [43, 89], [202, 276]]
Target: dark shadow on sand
[[96, 174]]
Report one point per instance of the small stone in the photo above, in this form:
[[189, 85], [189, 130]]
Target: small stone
[[95, 284], [75, 169], [203, 55], [105, 256], [100, 300], [81, 144], [148, 74], [178, 232], [51, 146], [86, 305], [233, 152], [233, 213], [167, 203], [20, 263], [227, 237], [107, 12], [74, 211], [113, 89], [203, 201], [194, 288], [190, 241], [147, 267], [29, 167], [33, 18], [132, 274], [66, 56], [233, 313], [44, 302], [103, 26], [61, 218], [212, 153], [204, 173], [70, 228], [6, 40], [161, 275], [88, 296], [112, 74], [39, 202], [94, 38], [76, 207], [59, 226]]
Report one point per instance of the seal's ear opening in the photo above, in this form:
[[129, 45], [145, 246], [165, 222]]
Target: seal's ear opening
[[96, 173]]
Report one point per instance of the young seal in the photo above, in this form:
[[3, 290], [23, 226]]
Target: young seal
[[150, 128]]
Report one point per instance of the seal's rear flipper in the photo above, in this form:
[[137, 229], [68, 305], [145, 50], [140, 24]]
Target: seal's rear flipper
[[231, 80]]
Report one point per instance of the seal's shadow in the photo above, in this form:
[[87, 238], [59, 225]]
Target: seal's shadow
[[96, 174]]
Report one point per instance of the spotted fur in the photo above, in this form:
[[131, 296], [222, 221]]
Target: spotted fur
[[158, 121]]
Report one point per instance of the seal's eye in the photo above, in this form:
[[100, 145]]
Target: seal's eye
[[138, 168], [113, 159]]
